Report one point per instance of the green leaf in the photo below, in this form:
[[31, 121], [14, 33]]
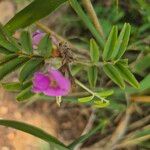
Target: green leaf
[[7, 37], [45, 46], [4, 50], [11, 65], [114, 75], [25, 94], [16, 86], [110, 44], [94, 51], [76, 69], [12, 86], [7, 41], [100, 104], [145, 83], [105, 93], [35, 11], [7, 58], [2, 34], [26, 42], [85, 137], [142, 64], [122, 42], [9, 46], [85, 99], [92, 75], [37, 132], [127, 75], [124, 62], [29, 68]]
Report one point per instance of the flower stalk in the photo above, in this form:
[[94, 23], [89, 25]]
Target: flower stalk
[[91, 92]]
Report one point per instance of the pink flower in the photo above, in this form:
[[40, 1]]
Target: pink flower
[[51, 84], [36, 37]]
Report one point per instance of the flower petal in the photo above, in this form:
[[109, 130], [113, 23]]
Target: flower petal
[[55, 92], [37, 36], [40, 82], [63, 82]]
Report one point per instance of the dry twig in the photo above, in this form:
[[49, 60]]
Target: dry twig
[[87, 128], [121, 129], [91, 12]]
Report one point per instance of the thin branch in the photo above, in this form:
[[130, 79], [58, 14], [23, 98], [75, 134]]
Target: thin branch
[[133, 141], [91, 12], [139, 123], [87, 128], [142, 99], [131, 134], [76, 50]]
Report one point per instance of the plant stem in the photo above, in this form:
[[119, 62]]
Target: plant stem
[[76, 50], [78, 9], [90, 91], [87, 63], [84, 87], [91, 12]]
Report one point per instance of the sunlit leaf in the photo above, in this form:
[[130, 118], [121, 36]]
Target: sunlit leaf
[[85, 99], [105, 93], [100, 104]]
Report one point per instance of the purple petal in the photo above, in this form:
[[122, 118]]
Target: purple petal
[[40, 82], [37, 36], [63, 82], [55, 92], [53, 84]]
